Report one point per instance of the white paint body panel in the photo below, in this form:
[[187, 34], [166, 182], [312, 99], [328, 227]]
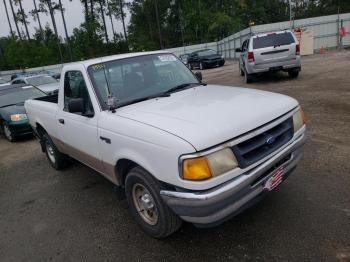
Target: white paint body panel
[[155, 133]]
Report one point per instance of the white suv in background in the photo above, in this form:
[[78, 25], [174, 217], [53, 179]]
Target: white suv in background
[[276, 51]]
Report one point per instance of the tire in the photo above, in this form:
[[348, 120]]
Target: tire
[[142, 192], [201, 66], [8, 132], [240, 70], [248, 77], [57, 160], [293, 73]]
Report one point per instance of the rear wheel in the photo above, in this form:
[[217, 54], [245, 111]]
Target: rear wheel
[[57, 160], [293, 73], [240, 70], [8, 132], [146, 205], [248, 77]]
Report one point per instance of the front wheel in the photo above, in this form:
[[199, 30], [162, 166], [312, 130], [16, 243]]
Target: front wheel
[[146, 205], [8, 132]]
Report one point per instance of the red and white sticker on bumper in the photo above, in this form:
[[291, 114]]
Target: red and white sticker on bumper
[[275, 179]]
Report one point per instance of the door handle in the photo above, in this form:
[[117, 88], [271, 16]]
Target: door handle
[[61, 121], [107, 140]]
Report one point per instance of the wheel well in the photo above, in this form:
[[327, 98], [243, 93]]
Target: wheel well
[[40, 130], [122, 169]]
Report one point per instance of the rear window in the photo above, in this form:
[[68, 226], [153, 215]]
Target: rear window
[[273, 40]]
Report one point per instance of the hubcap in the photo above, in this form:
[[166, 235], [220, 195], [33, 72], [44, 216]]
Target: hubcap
[[7, 132], [50, 152], [144, 204]]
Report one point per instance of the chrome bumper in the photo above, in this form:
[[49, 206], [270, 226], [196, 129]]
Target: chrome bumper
[[212, 207]]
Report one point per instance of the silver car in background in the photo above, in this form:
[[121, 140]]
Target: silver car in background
[[276, 51], [45, 83]]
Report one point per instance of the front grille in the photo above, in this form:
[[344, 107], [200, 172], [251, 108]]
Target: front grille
[[260, 146]]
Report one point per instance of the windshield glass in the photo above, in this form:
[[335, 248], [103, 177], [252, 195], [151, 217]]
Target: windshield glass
[[273, 40], [2, 81], [41, 80], [18, 95], [139, 77], [206, 52]]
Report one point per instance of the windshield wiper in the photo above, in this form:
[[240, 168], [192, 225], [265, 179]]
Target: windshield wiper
[[181, 87], [137, 100], [162, 94]]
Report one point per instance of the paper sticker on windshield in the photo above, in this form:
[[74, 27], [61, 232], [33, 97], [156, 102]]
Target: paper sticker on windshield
[[27, 87], [167, 58], [97, 67]]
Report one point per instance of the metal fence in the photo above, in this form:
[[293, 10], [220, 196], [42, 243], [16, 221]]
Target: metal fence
[[325, 31]]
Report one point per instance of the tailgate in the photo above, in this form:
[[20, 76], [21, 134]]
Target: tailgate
[[274, 47], [274, 54]]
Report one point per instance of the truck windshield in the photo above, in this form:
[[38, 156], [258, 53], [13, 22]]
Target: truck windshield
[[18, 95], [273, 40], [135, 78]]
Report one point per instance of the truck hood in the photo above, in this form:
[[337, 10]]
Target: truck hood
[[206, 116]]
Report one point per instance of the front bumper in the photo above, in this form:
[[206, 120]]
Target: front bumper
[[213, 63], [212, 207], [20, 128]]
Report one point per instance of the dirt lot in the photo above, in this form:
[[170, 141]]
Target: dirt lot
[[74, 215]]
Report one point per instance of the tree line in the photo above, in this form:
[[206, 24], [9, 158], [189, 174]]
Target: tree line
[[154, 24]]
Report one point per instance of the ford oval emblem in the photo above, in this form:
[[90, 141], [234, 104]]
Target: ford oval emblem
[[270, 140]]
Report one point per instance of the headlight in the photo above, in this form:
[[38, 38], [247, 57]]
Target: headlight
[[212, 165], [18, 117], [298, 119]]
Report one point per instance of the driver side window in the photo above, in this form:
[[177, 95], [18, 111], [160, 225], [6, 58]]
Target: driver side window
[[75, 87]]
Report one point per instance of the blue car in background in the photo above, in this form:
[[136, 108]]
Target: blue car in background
[[13, 118]]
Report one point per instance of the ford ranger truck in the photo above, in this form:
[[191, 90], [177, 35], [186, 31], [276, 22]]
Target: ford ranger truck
[[181, 150]]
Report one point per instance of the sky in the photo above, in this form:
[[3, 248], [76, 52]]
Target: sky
[[73, 13]]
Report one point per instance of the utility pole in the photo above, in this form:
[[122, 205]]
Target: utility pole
[[290, 13]]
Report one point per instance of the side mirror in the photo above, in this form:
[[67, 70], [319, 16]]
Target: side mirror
[[199, 76], [238, 50], [76, 105]]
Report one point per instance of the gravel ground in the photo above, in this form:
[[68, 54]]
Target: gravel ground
[[74, 215]]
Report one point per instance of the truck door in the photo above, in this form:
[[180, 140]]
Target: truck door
[[78, 130]]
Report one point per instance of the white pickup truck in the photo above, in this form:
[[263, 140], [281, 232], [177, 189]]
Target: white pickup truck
[[178, 148]]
